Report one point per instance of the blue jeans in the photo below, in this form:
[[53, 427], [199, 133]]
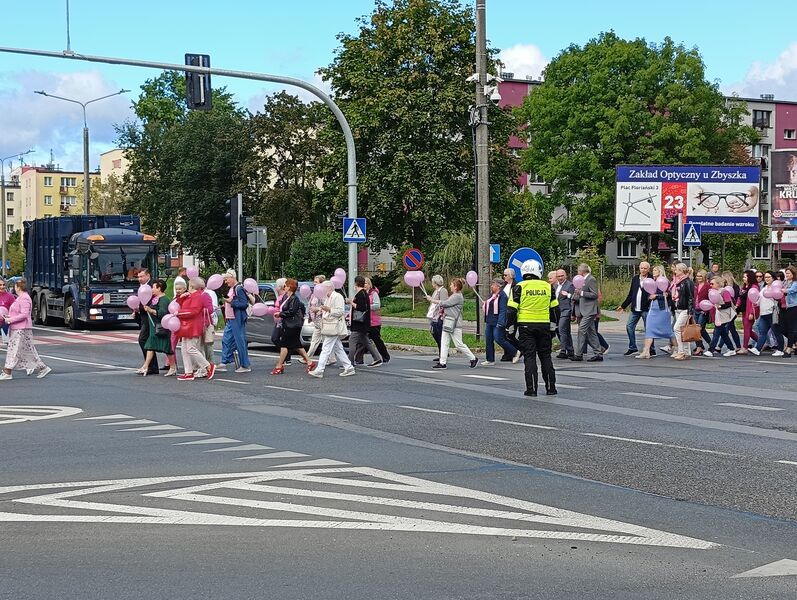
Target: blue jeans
[[493, 334], [721, 334], [234, 338], [630, 328], [765, 326], [701, 318]]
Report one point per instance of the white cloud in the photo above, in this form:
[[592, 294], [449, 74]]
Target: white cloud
[[778, 77], [524, 60], [28, 120], [255, 103]]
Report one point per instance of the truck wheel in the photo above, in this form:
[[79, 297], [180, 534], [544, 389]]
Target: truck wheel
[[69, 315], [35, 311], [44, 314]]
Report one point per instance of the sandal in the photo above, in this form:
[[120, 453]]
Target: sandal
[[278, 371], [311, 366]]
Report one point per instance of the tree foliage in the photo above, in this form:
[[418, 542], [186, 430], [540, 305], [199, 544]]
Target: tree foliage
[[15, 252], [525, 219], [318, 253], [400, 81], [183, 164], [614, 101]]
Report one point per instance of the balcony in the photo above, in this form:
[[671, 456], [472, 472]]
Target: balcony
[[63, 190], [761, 123]]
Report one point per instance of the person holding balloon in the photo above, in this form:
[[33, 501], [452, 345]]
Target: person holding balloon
[[682, 292], [6, 300], [452, 323], [435, 313], [702, 317], [724, 313], [586, 298], [375, 331], [790, 311], [159, 339], [747, 307], [21, 353], [142, 298], [234, 336], [291, 315], [768, 299], [193, 317], [659, 322]]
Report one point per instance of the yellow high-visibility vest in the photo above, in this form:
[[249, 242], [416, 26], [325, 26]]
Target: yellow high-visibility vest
[[533, 299]]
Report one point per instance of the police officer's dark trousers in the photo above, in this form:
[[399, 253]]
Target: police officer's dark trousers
[[535, 339]]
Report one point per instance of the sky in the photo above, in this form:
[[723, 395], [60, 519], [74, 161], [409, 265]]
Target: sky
[[748, 49]]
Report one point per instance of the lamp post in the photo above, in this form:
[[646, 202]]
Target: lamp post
[[3, 204], [86, 181]]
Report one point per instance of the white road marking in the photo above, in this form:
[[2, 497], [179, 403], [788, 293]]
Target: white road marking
[[181, 434], [104, 418], [649, 396], [430, 410], [154, 428], [360, 496], [770, 362], [19, 413], [524, 424], [274, 455], [216, 440], [233, 381], [621, 439], [428, 371], [567, 386], [285, 389], [83, 362], [133, 422], [244, 448], [750, 406], [774, 569], [347, 398], [787, 462], [490, 377]]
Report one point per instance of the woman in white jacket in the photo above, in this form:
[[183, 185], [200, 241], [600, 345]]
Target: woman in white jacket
[[452, 326], [333, 330]]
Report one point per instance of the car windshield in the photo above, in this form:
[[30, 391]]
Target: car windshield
[[120, 264]]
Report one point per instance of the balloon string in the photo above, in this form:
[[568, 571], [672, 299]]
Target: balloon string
[[424, 289]]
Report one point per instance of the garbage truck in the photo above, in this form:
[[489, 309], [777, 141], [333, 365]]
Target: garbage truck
[[82, 268]]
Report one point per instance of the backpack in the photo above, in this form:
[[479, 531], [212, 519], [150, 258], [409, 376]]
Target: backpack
[[250, 297]]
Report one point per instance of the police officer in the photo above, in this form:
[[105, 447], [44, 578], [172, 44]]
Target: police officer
[[533, 306]]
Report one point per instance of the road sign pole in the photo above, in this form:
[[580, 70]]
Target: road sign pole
[[240, 240], [257, 254], [680, 237]]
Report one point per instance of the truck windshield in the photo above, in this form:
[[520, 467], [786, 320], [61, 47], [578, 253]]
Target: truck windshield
[[120, 264]]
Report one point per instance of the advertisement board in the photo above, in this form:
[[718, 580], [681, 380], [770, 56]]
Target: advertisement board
[[721, 199], [783, 173]]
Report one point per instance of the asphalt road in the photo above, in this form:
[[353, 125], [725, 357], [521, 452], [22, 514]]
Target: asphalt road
[[652, 480]]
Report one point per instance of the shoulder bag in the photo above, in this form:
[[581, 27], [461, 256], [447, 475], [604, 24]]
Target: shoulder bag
[[209, 335], [449, 324]]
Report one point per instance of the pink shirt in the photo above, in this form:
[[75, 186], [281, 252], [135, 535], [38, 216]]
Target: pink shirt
[[6, 299], [229, 311], [19, 312]]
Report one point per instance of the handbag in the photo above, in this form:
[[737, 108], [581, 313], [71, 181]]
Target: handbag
[[449, 324], [160, 330], [329, 327], [691, 331], [358, 316]]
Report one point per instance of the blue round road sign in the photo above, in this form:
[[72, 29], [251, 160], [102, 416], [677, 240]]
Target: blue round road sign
[[520, 256], [413, 259]]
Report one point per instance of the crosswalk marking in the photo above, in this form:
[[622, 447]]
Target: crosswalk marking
[[17, 413], [216, 440], [274, 455]]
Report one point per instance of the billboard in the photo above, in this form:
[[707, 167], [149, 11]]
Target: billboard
[[722, 199], [783, 171]]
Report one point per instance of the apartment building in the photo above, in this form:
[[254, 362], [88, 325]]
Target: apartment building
[[12, 205], [47, 191]]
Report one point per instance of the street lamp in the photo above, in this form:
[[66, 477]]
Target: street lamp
[[3, 203], [86, 182]]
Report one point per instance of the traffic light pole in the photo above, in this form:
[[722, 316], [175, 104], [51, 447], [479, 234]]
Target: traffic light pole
[[347, 134], [240, 238]]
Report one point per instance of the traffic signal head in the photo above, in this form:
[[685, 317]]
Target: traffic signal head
[[671, 223], [233, 217]]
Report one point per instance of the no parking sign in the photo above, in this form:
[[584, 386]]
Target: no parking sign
[[413, 259]]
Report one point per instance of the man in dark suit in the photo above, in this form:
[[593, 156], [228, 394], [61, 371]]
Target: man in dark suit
[[587, 305], [142, 319], [564, 292], [639, 301]]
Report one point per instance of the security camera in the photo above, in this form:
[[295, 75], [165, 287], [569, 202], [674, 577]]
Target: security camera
[[494, 96], [473, 78]]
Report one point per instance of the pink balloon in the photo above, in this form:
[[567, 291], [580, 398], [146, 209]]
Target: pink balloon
[[767, 293], [145, 293], [340, 274], [649, 285], [259, 309], [715, 296], [305, 291], [420, 277], [250, 285], [776, 285], [706, 305], [320, 291], [132, 302], [337, 282], [730, 290], [578, 282], [472, 278], [3, 312], [753, 294], [777, 294], [171, 322], [410, 279], [214, 282], [192, 272], [174, 307], [662, 283], [270, 310]]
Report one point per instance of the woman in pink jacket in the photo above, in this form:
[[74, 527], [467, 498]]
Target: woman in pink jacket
[[21, 353]]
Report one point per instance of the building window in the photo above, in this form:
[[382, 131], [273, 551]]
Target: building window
[[9, 212], [572, 247], [175, 252], [48, 181], [765, 217], [626, 249], [761, 252], [68, 181], [70, 200], [789, 134], [48, 200], [761, 118], [117, 164], [761, 150], [9, 196], [9, 229]]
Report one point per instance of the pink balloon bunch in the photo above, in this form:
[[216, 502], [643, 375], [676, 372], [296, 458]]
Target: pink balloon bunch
[[773, 293], [662, 283], [706, 305], [753, 295], [578, 282], [259, 309], [305, 291], [715, 296], [649, 285], [414, 278], [340, 273], [133, 302], [250, 285], [171, 322], [271, 310], [192, 272], [145, 293], [472, 278], [174, 307], [215, 281], [730, 290]]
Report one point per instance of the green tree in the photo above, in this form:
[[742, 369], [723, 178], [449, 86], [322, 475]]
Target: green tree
[[280, 172], [400, 81], [318, 253], [15, 253], [525, 219], [615, 101], [183, 164]]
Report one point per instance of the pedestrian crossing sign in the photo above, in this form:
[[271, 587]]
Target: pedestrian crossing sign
[[692, 233], [354, 230]]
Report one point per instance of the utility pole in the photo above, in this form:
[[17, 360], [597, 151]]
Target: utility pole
[[482, 163]]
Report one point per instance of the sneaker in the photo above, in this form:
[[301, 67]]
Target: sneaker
[[439, 366], [185, 377], [629, 352], [666, 349], [516, 358], [606, 350], [5, 375], [248, 369], [376, 363], [221, 368], [29, 372], [473, 363], [755, 351], [287, 363], [729, 353], [43, 373], [777, 353], [347, 372], [316, 374], [211, 371], [488, 363], [708, 353]]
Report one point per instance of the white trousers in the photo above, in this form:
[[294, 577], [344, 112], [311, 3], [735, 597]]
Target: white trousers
[[332, 345], [681, 319], [315, 342], [194, 360], [456, 337]]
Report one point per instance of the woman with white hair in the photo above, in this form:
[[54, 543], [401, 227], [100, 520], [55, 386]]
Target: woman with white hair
[[435, 313], [195, 309], [682, 292], [333, 330]]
